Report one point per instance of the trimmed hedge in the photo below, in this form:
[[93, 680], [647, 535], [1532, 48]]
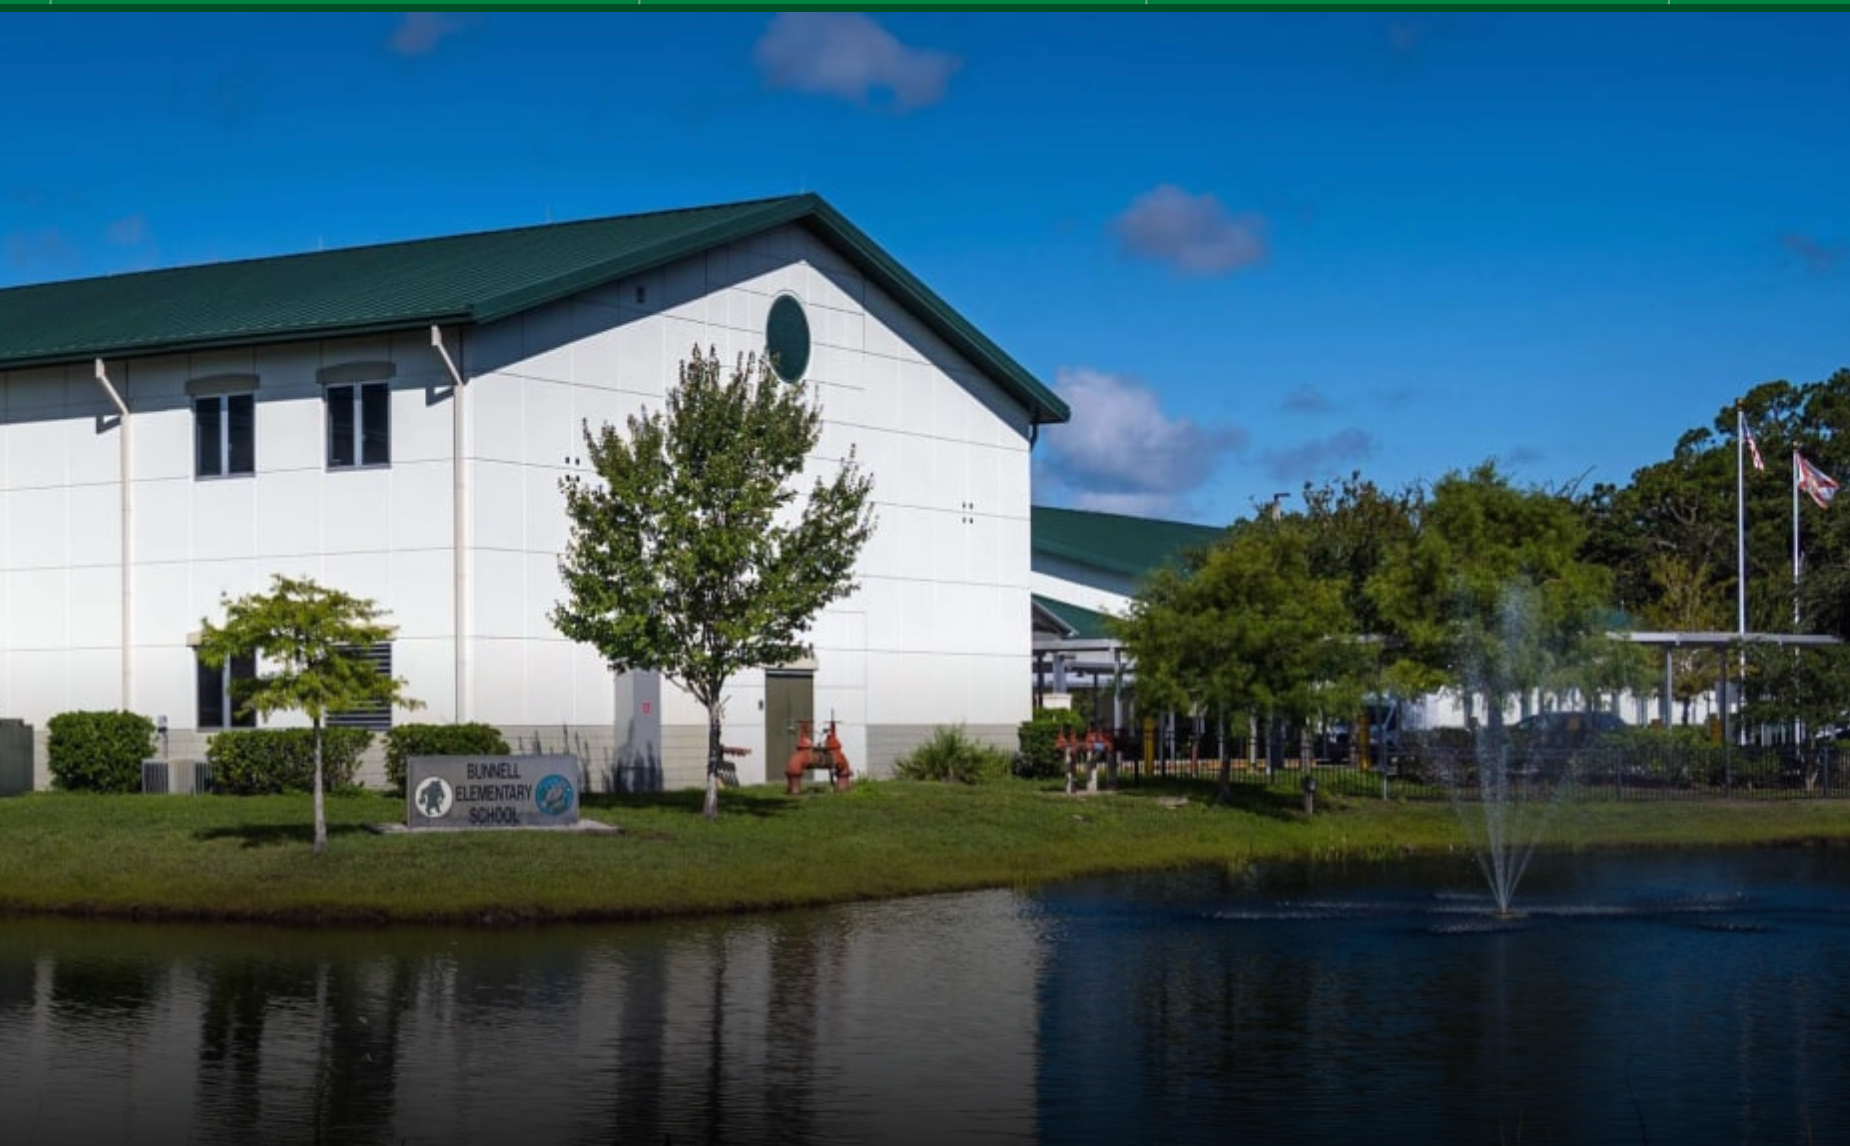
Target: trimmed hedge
[[98, 751], [267, 761], [408, 740]]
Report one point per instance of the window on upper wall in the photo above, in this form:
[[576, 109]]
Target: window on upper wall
[[217, 708], [372, 717], [224, 435], [359, 425]]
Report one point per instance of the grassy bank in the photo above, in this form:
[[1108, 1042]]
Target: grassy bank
[[249, 858]]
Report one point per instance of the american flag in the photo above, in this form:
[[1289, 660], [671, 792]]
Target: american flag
[[1753, 447], [1820, 486]]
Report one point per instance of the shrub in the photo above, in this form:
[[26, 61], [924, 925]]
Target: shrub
[[265, 761], [950, 755], [408, 740], [98, 751], [1039, 759]]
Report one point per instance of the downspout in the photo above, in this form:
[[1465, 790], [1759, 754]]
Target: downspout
[[459, 541], [128, 538]]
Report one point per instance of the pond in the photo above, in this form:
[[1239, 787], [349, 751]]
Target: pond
[[1645, 997]]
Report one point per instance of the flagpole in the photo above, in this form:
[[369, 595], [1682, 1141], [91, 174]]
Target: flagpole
[[1795, 539], [1740, 556], [1797, 729], [1740, 519]]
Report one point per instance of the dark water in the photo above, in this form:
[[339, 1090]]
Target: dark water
[[1638, 999]]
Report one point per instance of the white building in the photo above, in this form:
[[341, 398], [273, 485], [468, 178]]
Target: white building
[[1087, 567], [394, 421]]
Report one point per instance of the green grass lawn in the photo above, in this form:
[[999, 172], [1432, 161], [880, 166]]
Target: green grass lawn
[[249, 858]]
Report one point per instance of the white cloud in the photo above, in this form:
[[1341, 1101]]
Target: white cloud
[[1193, 233], [1121, 453], [419, 33], [848, 55], [1163, 506]]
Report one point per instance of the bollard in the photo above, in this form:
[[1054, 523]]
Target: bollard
[[799, 761], [1310, 795], [837, 760]]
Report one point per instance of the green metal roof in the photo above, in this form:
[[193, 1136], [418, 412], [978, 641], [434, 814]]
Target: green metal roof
[[1114, 543], [474, 278], [1087, 624]]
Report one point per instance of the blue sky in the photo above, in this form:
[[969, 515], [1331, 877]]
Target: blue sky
[[1249, 249]]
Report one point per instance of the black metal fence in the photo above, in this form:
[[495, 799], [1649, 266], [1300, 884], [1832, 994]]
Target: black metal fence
[[1627, 769]]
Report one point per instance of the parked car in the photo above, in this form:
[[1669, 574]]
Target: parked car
[[1552, 745], [1569, 729]]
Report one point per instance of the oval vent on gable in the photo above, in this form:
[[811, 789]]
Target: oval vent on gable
[[786, 337]]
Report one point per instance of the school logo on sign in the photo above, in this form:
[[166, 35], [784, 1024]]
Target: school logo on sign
[[553, 795], [433, 798]]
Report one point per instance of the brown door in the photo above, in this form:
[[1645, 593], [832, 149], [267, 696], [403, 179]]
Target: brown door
[[789, 699]]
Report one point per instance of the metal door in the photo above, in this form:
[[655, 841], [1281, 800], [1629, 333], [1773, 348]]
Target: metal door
[[789, 699]]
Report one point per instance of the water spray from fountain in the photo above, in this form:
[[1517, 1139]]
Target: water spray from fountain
[[1505, 792]]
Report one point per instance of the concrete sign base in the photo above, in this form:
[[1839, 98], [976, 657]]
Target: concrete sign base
[[492, 791]]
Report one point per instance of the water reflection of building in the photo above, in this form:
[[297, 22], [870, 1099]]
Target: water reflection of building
[[909, 1022]]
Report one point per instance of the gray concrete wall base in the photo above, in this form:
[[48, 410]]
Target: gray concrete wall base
[[886, 743]]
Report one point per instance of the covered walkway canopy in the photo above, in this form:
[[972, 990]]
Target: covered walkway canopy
[[1072, 640], [1670, 642]]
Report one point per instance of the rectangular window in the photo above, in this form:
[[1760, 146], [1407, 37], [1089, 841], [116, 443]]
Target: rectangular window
[[372, 717], [359, 425], [217, 705], [224, 435]]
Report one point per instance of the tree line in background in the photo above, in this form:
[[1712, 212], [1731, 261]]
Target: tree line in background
[[1496, 592]]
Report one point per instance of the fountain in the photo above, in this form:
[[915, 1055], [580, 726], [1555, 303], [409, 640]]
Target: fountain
[[1504, 798], [1505, 791]]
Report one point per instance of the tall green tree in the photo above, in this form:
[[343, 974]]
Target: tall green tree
[[1246, 629], [1823, 589], [1354, 527], [689, 555], [1681, 508], [1671, 538], [1689, 506], [1807, 687], [310, 643], [1489, 595]]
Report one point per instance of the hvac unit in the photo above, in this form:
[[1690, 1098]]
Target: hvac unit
[[154, 777]]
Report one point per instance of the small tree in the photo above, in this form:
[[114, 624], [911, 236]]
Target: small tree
[[687, 558], [1249, 629], [309, 640]]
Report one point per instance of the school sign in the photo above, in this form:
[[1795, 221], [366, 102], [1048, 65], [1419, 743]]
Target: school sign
[[491, 791]]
